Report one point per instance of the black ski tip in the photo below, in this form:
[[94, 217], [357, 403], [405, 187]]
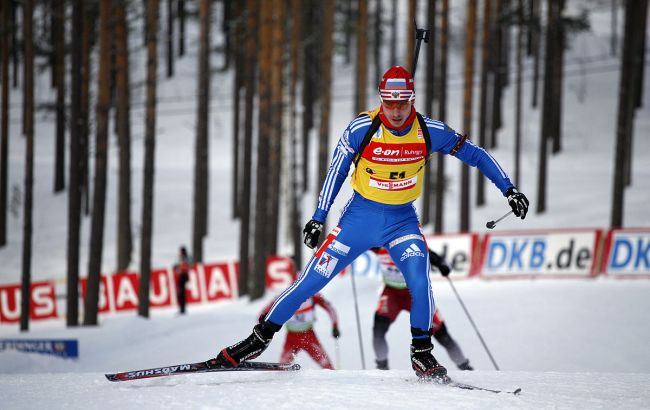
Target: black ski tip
[[112, 378], [295, 366], [517, 391]]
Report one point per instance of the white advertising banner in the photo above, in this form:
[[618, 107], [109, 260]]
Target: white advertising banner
[[627, 252], [540, 253]]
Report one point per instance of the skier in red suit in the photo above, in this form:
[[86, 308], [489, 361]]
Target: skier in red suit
[[395, 298], [300, 331]]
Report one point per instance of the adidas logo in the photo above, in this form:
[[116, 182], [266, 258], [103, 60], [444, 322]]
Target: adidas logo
[[412, 250]]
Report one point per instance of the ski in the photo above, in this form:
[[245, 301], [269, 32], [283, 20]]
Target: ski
[[447, 381], [199, 367], [472, 387]]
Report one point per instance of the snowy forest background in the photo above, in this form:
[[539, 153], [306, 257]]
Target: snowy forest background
[[130, 128]]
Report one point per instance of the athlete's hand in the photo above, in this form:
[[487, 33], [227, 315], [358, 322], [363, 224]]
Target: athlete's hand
[[335, 332], [437, 261], [311, 233], [444, 269], [518, 202]]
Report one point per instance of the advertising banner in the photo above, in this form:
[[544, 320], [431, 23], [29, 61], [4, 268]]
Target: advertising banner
[[43, 304], [553, 253], [459, 250], [627, 252], [65, 348]]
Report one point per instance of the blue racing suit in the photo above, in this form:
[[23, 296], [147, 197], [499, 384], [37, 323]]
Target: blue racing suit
[[368, 223]]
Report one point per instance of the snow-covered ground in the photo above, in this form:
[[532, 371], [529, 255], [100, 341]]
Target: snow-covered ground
[[566, 343]]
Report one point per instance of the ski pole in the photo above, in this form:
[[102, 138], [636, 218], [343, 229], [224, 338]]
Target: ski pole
[[420, 35], [472, 322], [492, 224], [356, 311]]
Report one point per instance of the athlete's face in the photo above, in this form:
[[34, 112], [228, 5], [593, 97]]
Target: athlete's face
[[397, 111]]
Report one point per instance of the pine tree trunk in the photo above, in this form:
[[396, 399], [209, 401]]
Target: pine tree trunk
[[558, 65], [170, 38], [245, 214], [101, 156], [536, 18], [486, 69], [377, 41], [181, 27], [295, 218], [467, 111], [75, 185], [497, 73], [263, 151], [237, 32], [51, 11], [88, 32], [273, 210], [227, 33], [547, 104], [410, 35], [350, 22], [14, 43], [326, 89], [613, 42], [59, 68], [442, 87], [639, 62], [28, 97], [149, 157], [626, 100], [309, 85], [4, 125], [518, 92], [201, 153], [362, 61], [637, 73], [124, 241]]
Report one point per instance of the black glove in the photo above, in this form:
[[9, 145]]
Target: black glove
[[437, 261], [312, 232], [335, 332], [518, 202]]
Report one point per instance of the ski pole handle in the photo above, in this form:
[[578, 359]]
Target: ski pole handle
[[420, 35]]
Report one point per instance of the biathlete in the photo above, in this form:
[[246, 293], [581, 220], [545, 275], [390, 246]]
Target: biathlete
[[390, 147]]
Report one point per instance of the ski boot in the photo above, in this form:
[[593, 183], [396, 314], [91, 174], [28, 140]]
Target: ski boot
[[382, 364], [247, 349], [425, 365], [465, 365]]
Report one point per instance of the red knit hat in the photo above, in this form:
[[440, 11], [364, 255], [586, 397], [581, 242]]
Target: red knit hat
[[397, 85]]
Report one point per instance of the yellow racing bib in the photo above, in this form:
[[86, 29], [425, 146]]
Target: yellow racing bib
[[391, 167]]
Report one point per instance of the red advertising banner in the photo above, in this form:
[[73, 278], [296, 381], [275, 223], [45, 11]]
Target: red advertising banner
[[280, 273], [43, 303], [220, 281], [161, 289]]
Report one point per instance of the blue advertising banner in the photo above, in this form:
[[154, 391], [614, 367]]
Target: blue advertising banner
[[66, 348]]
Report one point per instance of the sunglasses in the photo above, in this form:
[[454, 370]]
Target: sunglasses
[[396, 104]]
